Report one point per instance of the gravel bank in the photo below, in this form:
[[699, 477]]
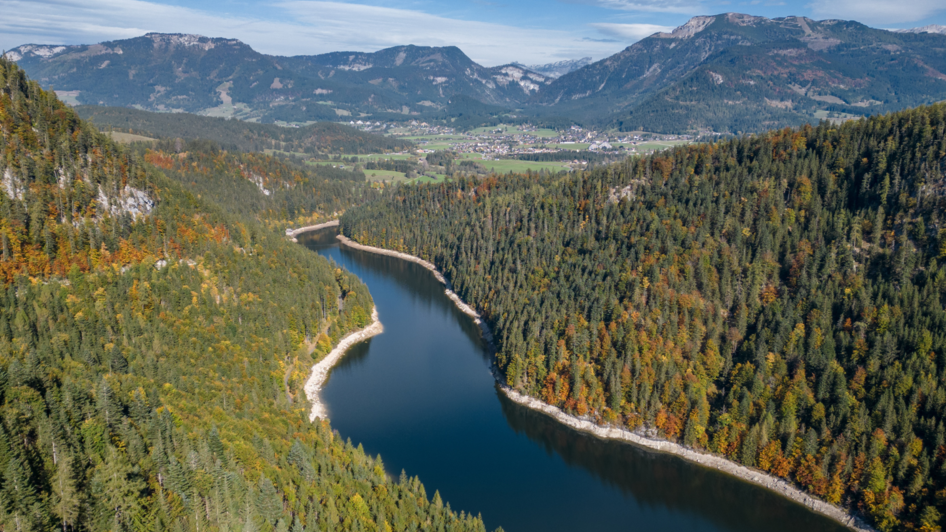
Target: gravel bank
[[320, 371], [293, 233]]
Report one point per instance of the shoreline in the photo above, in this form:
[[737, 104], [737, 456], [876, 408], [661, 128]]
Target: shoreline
[[293, 233], [321, 369], [759, 478]]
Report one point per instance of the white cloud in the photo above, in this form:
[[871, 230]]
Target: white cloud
[[630, 32], [685, 7], [876, 11], [316, 27]]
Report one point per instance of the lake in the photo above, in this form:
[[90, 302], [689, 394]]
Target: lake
[[421, 396]]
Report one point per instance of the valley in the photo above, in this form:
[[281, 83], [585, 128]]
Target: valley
[[697, 284]]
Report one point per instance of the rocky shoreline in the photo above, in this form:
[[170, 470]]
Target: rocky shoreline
[[293, 233], [753, 476], [321, 370]]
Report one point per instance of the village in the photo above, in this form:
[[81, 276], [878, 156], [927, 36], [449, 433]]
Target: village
[[513, 141]]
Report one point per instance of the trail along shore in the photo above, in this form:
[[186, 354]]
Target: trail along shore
[[753, 476]]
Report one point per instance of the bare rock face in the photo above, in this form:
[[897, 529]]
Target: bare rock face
[[691, 28], [130, 200]]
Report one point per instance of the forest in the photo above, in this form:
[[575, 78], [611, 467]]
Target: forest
[[278, 192], [314, 139], [154, 346], [774, 299]]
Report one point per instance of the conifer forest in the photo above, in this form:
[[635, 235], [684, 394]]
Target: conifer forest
[[773, 299]]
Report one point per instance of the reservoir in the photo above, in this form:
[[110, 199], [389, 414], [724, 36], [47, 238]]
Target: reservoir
[[421, 396]]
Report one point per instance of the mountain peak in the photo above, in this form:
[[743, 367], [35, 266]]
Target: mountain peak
[[691, 28]]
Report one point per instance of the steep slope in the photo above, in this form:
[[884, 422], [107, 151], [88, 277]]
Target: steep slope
[[779, 300], [736, 72], [279, 193], [153, 350], [225, 77]]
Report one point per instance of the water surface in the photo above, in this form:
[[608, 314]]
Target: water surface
[[422, 397]]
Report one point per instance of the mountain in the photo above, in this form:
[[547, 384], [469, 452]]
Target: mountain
[[724, 73], [559, 68], [418, 73], [736, 72], [225, 77]]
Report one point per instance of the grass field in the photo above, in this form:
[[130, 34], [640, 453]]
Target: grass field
[[504, 166], [662, 145], [384, 175], [126, 138], [386, 156], [514, 130]]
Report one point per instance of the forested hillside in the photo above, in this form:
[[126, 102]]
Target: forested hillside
[[153, 349], [777, 299], [320, 138], [279, 193]]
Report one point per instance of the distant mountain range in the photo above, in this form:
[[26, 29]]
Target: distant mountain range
[[560, 68], [726, 73], [225, 77]]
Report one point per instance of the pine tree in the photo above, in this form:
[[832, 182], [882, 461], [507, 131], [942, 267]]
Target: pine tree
[[268, 501], [65, 498], [120, 486]]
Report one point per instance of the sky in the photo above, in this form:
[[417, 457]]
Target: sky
[[491, 32]]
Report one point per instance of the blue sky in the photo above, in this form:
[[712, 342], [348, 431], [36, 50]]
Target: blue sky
[[491, 32]]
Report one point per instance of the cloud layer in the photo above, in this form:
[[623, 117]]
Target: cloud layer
[[877, 11], [687, 7], [630, 32], [316, 27]]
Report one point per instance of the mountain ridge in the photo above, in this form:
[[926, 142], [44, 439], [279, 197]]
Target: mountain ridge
[[226, 77], [723, 73], [558, 68]]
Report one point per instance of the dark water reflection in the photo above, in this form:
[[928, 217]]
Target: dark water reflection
[[421, 396]]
